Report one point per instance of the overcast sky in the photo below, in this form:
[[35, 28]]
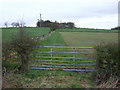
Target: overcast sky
[[84, 13]]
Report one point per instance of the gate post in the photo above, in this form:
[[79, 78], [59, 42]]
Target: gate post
[[74, 55], [51, 54]]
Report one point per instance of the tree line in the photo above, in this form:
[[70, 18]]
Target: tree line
[[15, 24], [116, 28], [48, 23]]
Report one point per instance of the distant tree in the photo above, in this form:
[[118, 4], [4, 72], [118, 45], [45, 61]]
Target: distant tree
[[67, 25], [116, 28], [22, 24], [54, 26], [63, 25], [70, 24], [40, 23], [6, 24], [15, 24], [47, 23]]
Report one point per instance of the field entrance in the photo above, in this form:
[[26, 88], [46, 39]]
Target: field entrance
[[61, 51], [55, 78], [63, 58]]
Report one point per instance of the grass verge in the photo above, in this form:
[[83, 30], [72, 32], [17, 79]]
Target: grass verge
[[50, 79]]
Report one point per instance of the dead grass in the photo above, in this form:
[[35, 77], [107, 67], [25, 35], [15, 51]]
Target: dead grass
[[111, 83]]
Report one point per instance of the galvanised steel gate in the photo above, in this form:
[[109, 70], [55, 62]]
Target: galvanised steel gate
[[63, 58]]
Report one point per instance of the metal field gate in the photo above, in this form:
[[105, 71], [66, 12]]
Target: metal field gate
[[63, 58]]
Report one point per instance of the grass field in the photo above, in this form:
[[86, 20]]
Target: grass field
[[55, 79], [9, 33], [88, 39], [80, 39], [57, 40], [86, 30]]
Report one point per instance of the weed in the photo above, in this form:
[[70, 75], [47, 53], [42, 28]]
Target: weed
[[72, 85]]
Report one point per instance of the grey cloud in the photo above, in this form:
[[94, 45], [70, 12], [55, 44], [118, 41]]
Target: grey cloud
[[56, 9]]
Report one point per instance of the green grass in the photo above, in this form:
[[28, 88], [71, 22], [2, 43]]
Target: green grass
[[88, 39], [56, 79], [36, 31], [9, 33], [54, 40], [9, 65], [57, 40], [86, 30], [81, 39], [50, 79]]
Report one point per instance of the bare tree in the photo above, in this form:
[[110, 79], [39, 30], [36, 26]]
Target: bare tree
[[15, 24], [22, 24], [6, 24]]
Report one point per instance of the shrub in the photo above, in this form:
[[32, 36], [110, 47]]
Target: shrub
[[9, 65], [6, 50], [23, 44], [107, 61]]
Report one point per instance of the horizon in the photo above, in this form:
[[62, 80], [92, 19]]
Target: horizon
[[100, 14]]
